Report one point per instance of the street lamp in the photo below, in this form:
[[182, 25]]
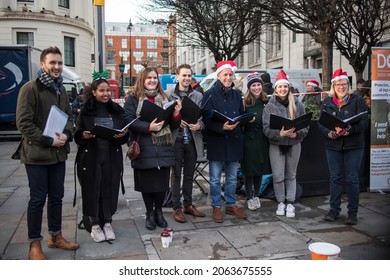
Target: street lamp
[[129, 27], [121, 69]]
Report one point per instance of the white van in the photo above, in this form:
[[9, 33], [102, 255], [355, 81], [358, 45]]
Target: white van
[[297, 77], [72, 83]]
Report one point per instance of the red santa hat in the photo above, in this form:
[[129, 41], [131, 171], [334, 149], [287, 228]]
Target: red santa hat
[[226, 64], [281, 78], [339, 75], [313, 83]]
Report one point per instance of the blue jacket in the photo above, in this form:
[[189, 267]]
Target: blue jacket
[[355, 139], [223, 145]]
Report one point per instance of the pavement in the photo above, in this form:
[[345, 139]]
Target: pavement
[[263, 235]]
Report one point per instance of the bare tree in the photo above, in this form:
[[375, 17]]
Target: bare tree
[[360, 32], [318, 18], [222, 26]]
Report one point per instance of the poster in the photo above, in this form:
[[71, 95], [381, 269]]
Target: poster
[[380, 120]]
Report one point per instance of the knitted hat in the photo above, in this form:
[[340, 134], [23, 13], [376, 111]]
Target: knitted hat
[[313, 83], [253, 77], [281, 78], [338, 75], [226, 64]]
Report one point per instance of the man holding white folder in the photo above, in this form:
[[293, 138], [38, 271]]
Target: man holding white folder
[[44, 156]]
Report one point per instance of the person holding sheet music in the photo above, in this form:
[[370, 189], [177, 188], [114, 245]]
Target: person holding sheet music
[[224, 140], [188, 147], [285, 144], [44, 157], [99, 160], [256, 156], [344, 146], [152, 167]]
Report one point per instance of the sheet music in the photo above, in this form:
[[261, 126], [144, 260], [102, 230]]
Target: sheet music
[[56, 122]]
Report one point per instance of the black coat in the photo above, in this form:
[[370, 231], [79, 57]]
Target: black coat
[[152, 156], [355, 139], [87, 154], [223, 145]]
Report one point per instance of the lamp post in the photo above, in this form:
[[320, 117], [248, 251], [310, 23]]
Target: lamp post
[[129, 27], [121, 69]]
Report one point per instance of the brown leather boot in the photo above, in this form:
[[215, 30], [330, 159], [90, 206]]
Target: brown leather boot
[[235, 211], [179, 216], [58, 241], [35, 252], [217, 215], [193, 211]]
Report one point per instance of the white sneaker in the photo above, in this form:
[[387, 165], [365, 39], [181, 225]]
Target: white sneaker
[[108, 231], [251, 204], [281, 209], [97, 234], [257, 202], [290, 211]]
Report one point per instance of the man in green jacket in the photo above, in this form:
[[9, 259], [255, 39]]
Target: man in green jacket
[[44, 156]]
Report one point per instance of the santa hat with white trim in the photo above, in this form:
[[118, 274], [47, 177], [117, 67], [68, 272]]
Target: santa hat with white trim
[[339, 75], [226, 64], [281, 78], [313, 83]]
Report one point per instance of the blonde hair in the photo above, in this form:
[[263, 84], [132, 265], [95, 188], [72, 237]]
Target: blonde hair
[[292, 109], [332, 91]]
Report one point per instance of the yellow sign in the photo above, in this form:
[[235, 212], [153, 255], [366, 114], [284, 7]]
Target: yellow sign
[[98, 2]]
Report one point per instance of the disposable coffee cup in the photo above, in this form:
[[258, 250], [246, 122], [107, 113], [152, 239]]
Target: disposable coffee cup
[[170, 231], [165, 237]]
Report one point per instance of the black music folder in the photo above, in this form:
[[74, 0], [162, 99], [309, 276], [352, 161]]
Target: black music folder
[[277, 122], [331, 122], [243, 119], [108, 133], [190, 111], [150, 111]]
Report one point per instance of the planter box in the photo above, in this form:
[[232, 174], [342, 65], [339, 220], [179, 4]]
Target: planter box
[[313, 174]]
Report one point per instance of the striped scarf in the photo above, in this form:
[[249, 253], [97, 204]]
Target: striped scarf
[[53, 84]]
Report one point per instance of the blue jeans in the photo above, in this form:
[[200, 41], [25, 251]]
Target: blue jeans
[[347, 161], [45, 181], [215, 170]]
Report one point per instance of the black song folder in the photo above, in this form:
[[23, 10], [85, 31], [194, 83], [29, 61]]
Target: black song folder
[[331, 122], [243, 119], [190, 111], [277, 122], [150, 111], [108, 133]]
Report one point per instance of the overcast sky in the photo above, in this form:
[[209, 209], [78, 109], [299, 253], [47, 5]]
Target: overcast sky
[[123, 10]]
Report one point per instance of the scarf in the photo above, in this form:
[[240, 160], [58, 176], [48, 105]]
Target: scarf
[[164, 136], [53, 84], [342, 102], [284, 102]]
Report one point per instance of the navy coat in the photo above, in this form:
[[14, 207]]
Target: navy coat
[[223, 145]]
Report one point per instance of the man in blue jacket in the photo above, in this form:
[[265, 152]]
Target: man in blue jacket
[[224, 140]]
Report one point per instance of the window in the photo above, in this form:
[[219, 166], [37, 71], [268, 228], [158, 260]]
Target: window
[[137, 43], [151, 44], [124, 43], [26, 1], [202, 52], [111, 57], [63, 3], [69, 51], [164, 56], [165, 44], [25, 38], [109, 43], [294, 37], [138, 55], [151, 56]]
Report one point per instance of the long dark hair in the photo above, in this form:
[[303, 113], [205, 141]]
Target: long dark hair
[[88, 91]]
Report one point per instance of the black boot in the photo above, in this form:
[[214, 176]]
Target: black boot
[[160, 221], [150, 220]]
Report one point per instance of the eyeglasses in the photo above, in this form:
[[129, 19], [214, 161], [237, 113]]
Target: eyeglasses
[[340, 85]]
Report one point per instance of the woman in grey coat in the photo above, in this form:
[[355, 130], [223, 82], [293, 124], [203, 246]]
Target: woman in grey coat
[[285, 145]]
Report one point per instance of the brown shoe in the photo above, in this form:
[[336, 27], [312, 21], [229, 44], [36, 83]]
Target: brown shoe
[[235, 211], [179, 215], [193, 211], [217, 215], [58, 241], [35, 252]]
